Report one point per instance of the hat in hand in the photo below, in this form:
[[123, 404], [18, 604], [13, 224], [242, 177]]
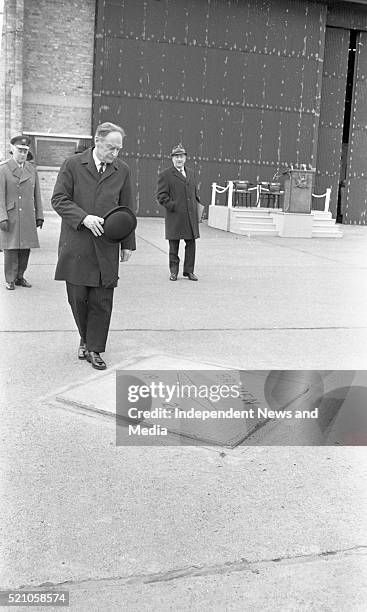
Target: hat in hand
[[178, 150], [21, 141], [119, 223]]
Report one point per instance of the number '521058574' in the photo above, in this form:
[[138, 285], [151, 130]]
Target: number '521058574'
[[32, 598]]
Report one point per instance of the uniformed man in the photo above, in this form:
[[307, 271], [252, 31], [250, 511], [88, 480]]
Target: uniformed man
[[20, 212], [177, 192]]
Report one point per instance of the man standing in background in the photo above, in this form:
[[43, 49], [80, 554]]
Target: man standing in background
[[20, 212], [177, 192]]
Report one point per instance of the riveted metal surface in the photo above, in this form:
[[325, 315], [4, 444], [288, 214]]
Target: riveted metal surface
[[330, 138], [238, 82], [349, 15], [356, 197]]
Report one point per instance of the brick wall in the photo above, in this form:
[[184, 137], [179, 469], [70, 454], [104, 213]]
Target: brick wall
[[11, 73], [58, 47], [58, 66]]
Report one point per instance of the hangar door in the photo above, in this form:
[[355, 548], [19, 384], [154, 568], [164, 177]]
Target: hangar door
[[236, 81], [355, 211], [329, 149]]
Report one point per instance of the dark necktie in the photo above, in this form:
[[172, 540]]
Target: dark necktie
[[101, 168]]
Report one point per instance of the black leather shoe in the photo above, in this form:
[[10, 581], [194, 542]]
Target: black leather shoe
[[22, 282], [95, 359], [10, 286], [81, 350], [173, 276], [190, 276]]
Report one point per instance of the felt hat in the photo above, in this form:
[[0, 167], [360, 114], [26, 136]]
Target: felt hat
[[119, 223], [21, 141], [178, 150]]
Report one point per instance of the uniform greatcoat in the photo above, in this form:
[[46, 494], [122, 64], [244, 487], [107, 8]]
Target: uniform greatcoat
[[180, 198], [20, 204], [85, 259]]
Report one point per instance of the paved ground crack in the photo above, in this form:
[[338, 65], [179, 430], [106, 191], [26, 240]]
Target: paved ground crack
[[193, 571]]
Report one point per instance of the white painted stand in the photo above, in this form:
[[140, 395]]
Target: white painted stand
[[293, 225]]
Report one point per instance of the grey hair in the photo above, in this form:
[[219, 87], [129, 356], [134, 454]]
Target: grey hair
[[106, 128]]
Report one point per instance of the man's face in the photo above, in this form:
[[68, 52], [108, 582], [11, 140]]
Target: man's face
[[19, 153], [107, 148], [179, 161]]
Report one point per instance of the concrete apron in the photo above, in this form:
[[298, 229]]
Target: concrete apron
[[261, 391]]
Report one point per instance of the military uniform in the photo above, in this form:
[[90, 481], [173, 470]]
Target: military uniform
[[20, 214]]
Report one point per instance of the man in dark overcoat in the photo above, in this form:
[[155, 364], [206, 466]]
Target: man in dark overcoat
[[177, 192], [88, 186], [20, 211]]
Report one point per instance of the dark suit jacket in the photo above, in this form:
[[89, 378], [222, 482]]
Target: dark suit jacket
[[179, 196], [81, 191]]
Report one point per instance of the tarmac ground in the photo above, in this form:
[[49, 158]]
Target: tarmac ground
[[261, 527]]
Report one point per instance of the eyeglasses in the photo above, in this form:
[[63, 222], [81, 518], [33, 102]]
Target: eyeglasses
[[110, 148]]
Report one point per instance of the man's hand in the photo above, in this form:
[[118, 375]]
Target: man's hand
[[4, 225], [39, 223], [125, 255], [94, 224]]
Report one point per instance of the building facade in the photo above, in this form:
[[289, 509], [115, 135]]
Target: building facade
[[249, 86]]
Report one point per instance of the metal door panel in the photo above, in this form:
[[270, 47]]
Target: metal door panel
[[134, 19], [355, 212], [231, 136], [356, 192], [234, 80], [213, 75], [278, 39], [194, 73], [196, 22], [251, 134], [113, 19], [305, 128], [213, 123], [275, 72], [257, 18], [291, 149], [330, 136], [310, 84], [270, 141], [178, 21], [155, 22]]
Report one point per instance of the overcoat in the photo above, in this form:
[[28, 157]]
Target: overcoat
[[85, 259], [180, 198], [20, 204]]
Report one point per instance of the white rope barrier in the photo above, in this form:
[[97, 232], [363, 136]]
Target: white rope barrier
[[259, 190], [325, 195], [230, 187], [219, 189]]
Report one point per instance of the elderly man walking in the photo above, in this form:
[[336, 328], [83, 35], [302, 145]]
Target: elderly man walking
[[88, 186], [177, 192], [20, 212]]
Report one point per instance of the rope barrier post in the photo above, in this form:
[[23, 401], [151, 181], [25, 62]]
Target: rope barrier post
[[258, 192], [214, 189], [327, 199], [230, 193]]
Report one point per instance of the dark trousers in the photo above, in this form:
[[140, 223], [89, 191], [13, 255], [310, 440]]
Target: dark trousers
[[15, 263], [92, 309], [174, 259]]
